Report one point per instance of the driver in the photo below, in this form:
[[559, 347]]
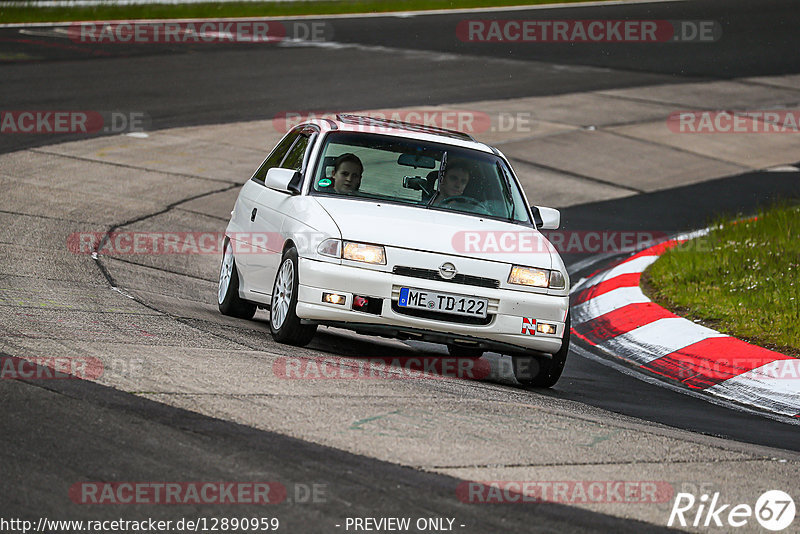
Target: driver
[[455, 180]]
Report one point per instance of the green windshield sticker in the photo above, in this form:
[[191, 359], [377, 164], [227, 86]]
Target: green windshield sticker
[[325, 182]]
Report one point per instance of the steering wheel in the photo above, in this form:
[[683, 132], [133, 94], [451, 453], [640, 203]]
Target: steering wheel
[[466, 200]]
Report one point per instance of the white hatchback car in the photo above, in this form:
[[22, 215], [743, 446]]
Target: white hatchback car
[[398, 230]]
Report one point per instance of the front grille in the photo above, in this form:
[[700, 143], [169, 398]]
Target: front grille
[[439, 316], [433, 274]]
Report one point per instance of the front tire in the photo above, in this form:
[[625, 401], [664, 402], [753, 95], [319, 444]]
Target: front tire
[[228, 299], [284, 325], [543, 372]]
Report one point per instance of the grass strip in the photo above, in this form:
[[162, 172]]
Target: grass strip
[[216, 10], [742, 279]]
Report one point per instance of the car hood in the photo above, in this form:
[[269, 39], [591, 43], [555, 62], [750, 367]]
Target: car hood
[[438, 231]]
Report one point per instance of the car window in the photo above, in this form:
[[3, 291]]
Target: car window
[[408, 171], [294, 158], [276, 156], [381, 166]]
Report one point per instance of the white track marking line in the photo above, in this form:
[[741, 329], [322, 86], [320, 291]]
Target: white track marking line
[[657, 339], [774, 386], [607, 302], [636, 265]]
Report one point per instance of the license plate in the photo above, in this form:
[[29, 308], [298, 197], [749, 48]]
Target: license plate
[[421, 299]]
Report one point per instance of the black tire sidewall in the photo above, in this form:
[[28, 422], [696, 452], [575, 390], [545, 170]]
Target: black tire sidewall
[[232, 304], [550, 369], [291, 331]]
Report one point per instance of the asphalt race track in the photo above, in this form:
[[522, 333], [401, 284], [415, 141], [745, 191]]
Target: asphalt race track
[[215, 83], [57, 433]]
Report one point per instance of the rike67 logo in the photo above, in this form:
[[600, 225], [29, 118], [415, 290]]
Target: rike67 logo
[[774, 510]]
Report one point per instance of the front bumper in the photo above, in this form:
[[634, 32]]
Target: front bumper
[[512, 314]]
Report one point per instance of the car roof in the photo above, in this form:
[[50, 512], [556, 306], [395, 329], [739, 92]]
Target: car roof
[[364, 124]]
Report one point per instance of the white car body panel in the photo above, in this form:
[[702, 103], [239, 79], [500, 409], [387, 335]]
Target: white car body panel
[[263, 262], [239, 227], [415, 228], [280, 218]]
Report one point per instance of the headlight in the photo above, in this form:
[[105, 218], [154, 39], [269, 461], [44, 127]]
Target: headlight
[[362, 252], [529, 276]]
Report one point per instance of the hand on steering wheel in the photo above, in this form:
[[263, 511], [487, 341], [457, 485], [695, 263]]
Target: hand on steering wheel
[[469, 201]]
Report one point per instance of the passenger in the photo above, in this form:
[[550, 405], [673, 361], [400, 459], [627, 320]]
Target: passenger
[[346, 176]]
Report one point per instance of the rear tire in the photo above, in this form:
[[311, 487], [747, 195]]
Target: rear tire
[[284, 325], [543, 372], [228, 299]]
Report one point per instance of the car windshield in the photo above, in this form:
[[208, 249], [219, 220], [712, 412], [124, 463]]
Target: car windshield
[[427, 175]]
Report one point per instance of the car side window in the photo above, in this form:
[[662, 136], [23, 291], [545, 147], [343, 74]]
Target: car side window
[[277, 155], [294, 159]]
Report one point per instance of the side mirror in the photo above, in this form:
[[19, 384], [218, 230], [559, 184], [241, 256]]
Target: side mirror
[[417, 183], [546, 218], [284, 180]]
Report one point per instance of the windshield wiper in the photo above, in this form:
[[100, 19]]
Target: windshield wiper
[[507, 190]]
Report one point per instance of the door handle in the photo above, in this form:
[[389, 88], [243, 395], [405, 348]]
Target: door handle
[[253, 215]]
